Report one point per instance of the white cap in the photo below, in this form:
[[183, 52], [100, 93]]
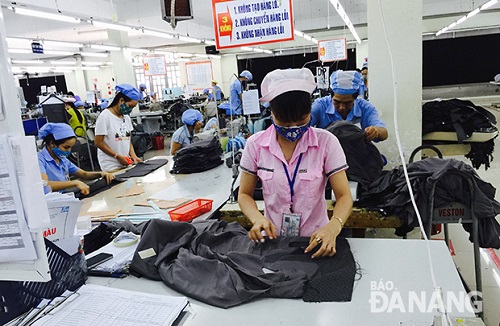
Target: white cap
[[280, 81]]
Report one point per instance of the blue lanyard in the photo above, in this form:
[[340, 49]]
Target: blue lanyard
[[291, 181]]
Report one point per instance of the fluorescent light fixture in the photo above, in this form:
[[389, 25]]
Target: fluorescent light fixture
[[157, 34], [214, 56], [41, 14], [109, 63], [461, 20], [63, 62], [20, 51], [165, 53], [137, 50], [298, 33], [342, 13], [94, 55], [62, 44], [88, 68], [180, 54], [246, 48], [189, 39], [488, 4], [105, 47], [30, 62], [258, 50], [307, 37], [473, 13], [268, 51], [90, 63], [117, 27], [201, 55], [57, 52], [209, 42], [314, 40]]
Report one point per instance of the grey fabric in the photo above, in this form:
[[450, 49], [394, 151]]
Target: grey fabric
[[215, 262]]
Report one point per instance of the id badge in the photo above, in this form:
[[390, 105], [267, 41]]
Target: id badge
[[290, 225]]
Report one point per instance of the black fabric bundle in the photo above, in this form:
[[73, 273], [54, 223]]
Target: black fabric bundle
[[390, 193], [216, 262], [363, 157], [143, 168], [96, 186], [199, 156], [464, 118]]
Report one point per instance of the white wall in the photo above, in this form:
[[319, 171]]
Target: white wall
[[229, 67], [403, 20], [361, 53], [104, 75]]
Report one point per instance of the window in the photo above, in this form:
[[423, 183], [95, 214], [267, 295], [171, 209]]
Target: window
[[159, 82]]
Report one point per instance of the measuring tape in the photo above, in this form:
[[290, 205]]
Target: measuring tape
[[125, 239]]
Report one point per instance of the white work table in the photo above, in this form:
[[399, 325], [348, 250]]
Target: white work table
[[402, 263], [213, 184]]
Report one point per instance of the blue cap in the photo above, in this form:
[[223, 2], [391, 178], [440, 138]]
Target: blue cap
[[345, 82], [104, 103], [129, 91], [190, 116], [79, 103], [206, 91], [59, 130], [77, 98], [247, 74], [142, 86]]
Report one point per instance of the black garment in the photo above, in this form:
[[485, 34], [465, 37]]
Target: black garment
[[390, 193], [198, 157], [143, 168], [95, 187], [215, 262], [464, 118], [363, 157]]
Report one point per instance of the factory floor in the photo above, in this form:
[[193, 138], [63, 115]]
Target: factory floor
[[462, 249]]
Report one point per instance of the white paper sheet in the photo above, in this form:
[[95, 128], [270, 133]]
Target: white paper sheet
[[100, 305], [15, 239], [30, 181], [63, 212], [251, 102]]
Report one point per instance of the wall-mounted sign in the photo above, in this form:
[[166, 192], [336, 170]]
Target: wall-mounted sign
[[199, 75], [332, 50], [37, 47], [251, 22], [154, 66]]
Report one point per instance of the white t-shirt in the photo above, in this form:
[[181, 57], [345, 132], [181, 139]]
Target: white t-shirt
[[117, 135]]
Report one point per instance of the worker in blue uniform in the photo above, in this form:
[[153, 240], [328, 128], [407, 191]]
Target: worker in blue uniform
[[344, 104], [193, 121], [236, 91]]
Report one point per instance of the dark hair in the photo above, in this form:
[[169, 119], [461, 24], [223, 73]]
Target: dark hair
[[50, 139], [77, 112], [117, 98], [291, 106], [364, 68], [71, 93], [358, 70]]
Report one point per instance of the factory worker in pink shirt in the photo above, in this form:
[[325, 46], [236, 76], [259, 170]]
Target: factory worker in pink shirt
[[294, 162]]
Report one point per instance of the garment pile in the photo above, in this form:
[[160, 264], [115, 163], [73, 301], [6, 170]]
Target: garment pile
[[199, 156]]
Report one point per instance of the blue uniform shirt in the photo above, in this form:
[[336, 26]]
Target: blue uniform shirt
[[363, 113], [55, 172], [218, 93], [234, 97], [181, 136]]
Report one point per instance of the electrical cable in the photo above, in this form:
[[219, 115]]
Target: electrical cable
[[445, 319]]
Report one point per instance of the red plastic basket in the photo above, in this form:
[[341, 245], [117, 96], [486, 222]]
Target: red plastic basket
[[189, 211]]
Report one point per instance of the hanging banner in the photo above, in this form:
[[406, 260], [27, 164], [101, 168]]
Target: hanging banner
[[332, 50], [154, 66], [250, 22]]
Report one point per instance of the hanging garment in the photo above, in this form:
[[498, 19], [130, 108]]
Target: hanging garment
[[216, 263], [390, 194]]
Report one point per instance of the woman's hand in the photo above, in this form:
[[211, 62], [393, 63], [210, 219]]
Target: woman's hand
[[325, 238], [108, 176], [259, 225], [135, 158], [84, 188], [122, 160]]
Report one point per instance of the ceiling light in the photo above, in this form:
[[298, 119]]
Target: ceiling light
[[62, 44], [298, 33], [36, 62], [94, 54], [214, 56], [189, 39], [307, 37], [314, 40], [180, 54], [88, 68], [246, 48], [105, 47], [20, 51], [113, 26], [340, 10], [461, 20], [63, 62], [56, 52], [488, 4], [258, 50], [90, 63], [268, 51], [452, 25], [473, 13], [41, 14], [137, 50], [157, 34], [201, 55], [164, 53]]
